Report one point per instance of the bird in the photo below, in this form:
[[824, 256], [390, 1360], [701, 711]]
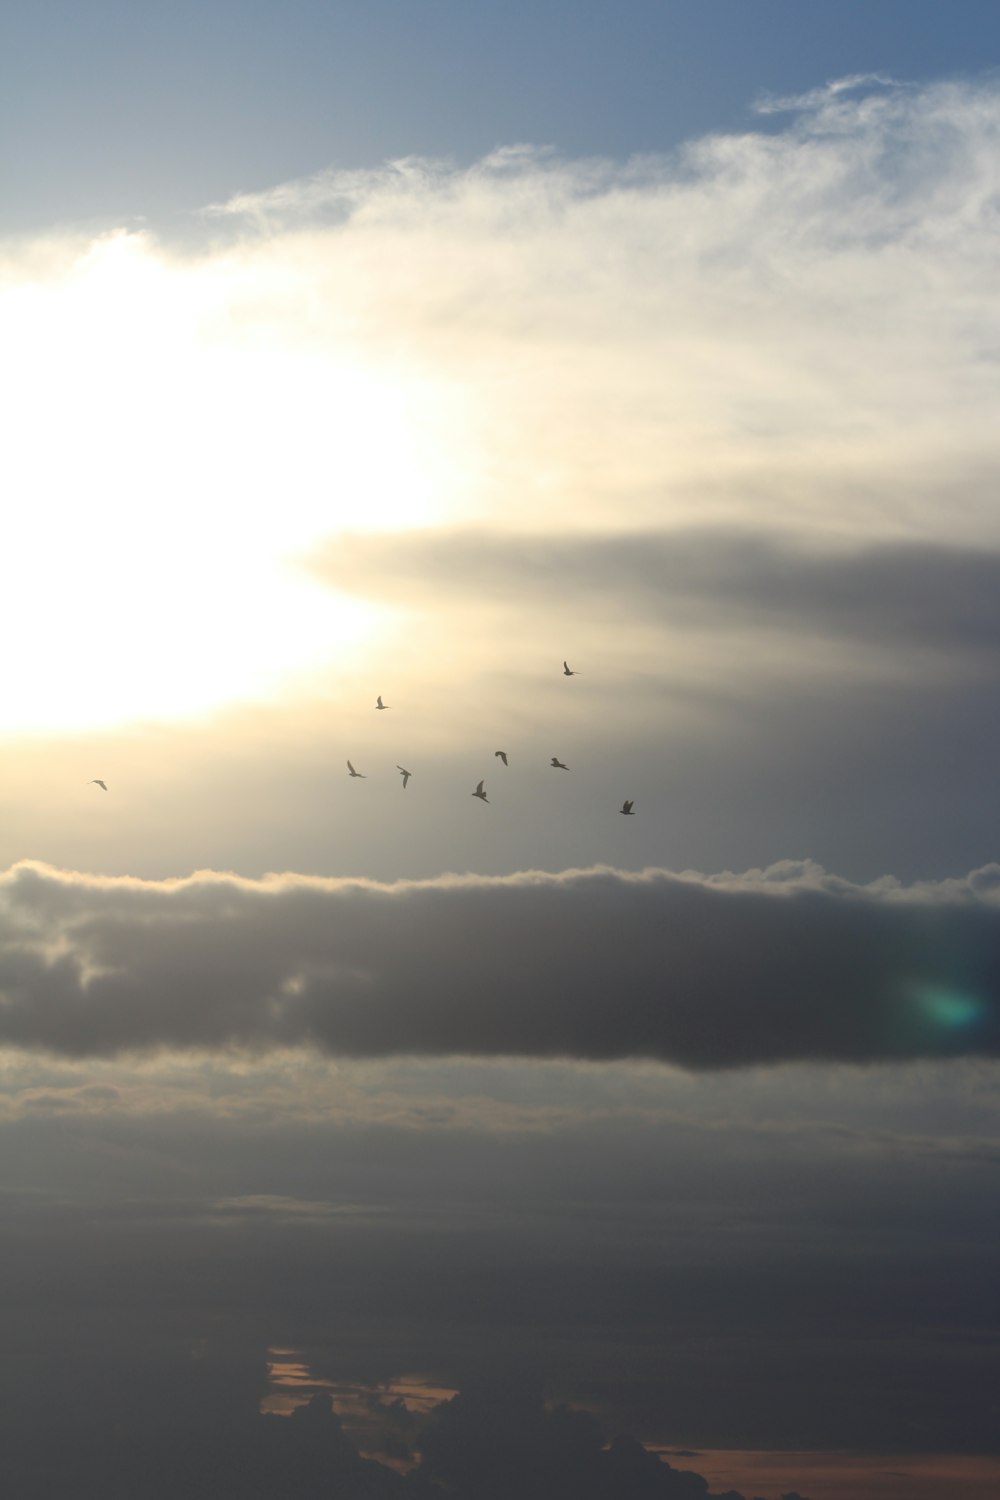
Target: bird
[[567, 672], [626, 809], [96, 781], [353, 772], [380, 704], [502, 754], [480, 793], [404, 773], [561, 765]]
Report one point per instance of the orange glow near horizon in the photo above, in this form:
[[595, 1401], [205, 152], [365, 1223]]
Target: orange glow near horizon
[[823, 1475], [293, 1385], [845, 1476]]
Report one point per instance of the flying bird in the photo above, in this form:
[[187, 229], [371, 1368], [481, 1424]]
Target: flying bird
[[480, 793], [567, 672], [98, 782], [353, 772], [626, 809], [404, 773], [555, 761], [502, 754], [380, 704]]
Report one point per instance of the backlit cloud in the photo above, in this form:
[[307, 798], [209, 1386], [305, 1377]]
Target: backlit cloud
[[897, 595], [781, 964], [794, 328]]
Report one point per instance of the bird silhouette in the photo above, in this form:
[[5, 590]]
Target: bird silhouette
[[480, 793], [502, 754], [626, 809], [567, 672], [404, 773], [353, 772], [561, 765], [98, 782], [380, 704]]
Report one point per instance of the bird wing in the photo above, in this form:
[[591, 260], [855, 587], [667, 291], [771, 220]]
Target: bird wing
[[479, 789]]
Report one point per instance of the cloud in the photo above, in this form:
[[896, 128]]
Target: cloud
[[786, 328], [775, 965], [167, 1421], [498, 1439], [820, 102], [760, 325], [901, 594]]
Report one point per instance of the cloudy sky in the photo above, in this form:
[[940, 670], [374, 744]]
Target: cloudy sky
[[375, 1136]]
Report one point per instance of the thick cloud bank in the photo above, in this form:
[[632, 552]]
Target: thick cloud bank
[[705, 972]]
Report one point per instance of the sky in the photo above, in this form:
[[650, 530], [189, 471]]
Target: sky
[[609, 387]]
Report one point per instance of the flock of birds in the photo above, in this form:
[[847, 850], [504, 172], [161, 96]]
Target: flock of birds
[[480, 792], [501, 755]]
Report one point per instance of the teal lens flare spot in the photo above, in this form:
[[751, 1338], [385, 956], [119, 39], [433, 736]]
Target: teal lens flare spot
[[948, 1007]]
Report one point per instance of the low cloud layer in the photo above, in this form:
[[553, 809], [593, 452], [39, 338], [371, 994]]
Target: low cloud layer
[[720, 972]]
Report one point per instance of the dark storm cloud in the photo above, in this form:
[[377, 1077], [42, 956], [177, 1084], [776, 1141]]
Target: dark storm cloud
[[720, 972], [891, 594]]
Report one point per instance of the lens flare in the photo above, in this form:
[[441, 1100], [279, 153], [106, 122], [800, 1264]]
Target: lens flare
[[948, 1008]]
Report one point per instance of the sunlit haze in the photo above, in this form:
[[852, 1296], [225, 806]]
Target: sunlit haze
[[499, 723]]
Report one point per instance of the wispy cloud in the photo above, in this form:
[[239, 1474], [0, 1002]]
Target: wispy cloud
[[816, 101]]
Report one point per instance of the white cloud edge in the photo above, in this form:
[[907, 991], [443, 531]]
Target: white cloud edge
[[980, 885]]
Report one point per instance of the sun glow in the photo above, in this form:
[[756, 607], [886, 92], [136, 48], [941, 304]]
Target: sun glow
[[175, 446]]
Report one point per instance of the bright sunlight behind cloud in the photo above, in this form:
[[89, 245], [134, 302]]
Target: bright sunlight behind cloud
[[168, 467], [796, 329]]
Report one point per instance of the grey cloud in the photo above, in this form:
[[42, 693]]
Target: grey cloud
[[498, 1439], [831, 1336], [896, 594], [718, 972], [701, 1287]]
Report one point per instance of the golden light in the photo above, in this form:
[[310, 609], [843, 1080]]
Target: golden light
[[177, 439]]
